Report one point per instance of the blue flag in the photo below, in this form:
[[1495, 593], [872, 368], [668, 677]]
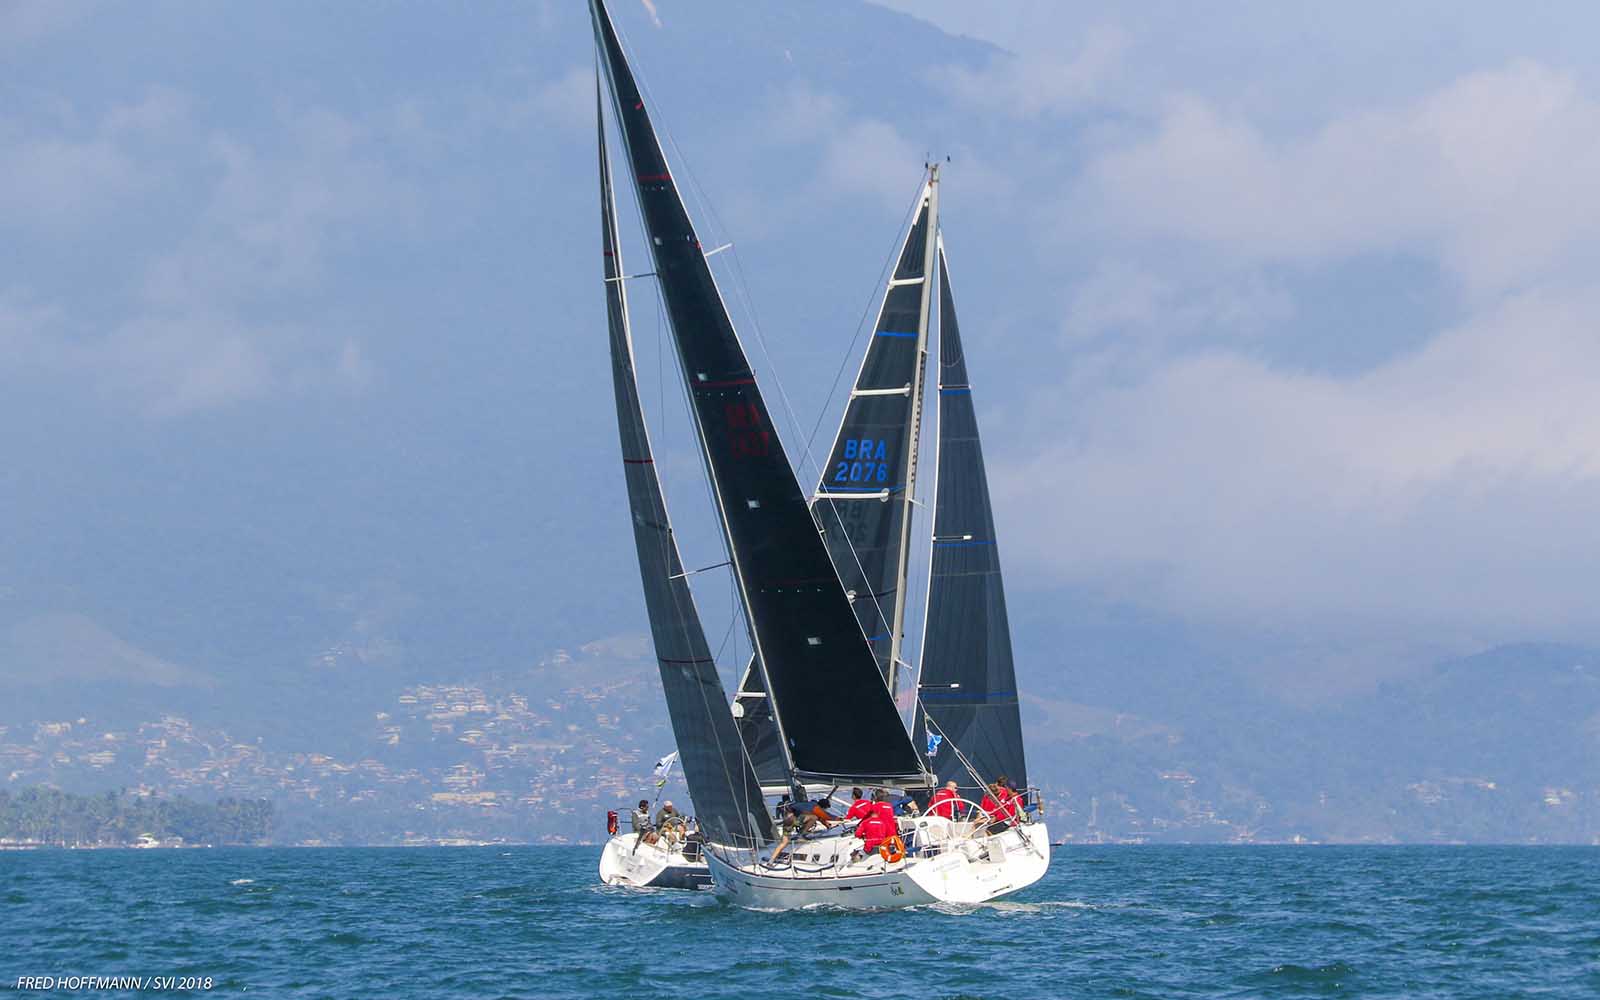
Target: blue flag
[[934, 739]]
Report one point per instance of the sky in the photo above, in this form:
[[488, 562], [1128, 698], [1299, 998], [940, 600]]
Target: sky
[[1281, 320], [1328, 343]]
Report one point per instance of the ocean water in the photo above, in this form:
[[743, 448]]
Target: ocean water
[[488, 922]]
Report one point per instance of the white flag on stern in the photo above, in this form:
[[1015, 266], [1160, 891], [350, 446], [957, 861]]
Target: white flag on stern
[[664, 766]]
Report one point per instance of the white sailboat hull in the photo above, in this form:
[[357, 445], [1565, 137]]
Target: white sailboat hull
[[627, 862], [970, 871]]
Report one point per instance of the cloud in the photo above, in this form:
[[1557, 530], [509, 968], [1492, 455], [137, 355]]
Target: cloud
[[272, 215], [1452, 488], [173, 364], [1124, 300], [60, 179], [1190, 456], [216, 303], [857, 154], [1490, 173], [1034, 84], [26, 22], [54, 182], [567, 99], [27, 329]]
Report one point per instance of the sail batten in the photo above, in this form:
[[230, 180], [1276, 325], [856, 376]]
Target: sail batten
[[967, 684], [834, 716]]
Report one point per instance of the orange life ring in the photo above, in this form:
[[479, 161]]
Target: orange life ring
[[892, 850]]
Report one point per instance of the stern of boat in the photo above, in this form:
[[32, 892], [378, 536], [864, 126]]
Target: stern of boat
[[624, 861], [980, 869]]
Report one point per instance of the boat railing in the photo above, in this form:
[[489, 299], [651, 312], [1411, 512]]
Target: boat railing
[[1032, 800], [967, 821]]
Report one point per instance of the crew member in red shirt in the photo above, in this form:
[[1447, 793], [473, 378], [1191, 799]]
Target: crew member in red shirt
[[860, 806], [994, 807], [1010, 798], [884, 810], [943, 802], [879, 825]]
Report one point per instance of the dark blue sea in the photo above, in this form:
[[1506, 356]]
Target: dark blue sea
[[1408, 922]]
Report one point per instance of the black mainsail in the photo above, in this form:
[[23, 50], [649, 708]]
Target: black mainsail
[[863, 500], [968, 682], [836, 717], [727, 799]]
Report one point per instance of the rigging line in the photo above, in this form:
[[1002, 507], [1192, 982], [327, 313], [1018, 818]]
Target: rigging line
[[662, 326], [663, 321], [644, 239], [708, 212], [960, 757], [973, 771], [741, 288], [892, 262], [866, 310], [728, 633]]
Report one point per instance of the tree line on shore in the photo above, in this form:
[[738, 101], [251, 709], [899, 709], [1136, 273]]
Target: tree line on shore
[[51, 816]]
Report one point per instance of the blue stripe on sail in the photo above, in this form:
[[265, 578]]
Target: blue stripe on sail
[[965, 695], [862, 489], [894, 333], [875, 638], [955, 392], [975, 541]]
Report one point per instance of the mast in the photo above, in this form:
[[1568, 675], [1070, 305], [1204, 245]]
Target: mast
[[836, 719], [967, 684], [726, 796], [898, 635]]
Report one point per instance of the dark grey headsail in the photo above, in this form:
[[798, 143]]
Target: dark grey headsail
[[835, 715], [727, 799], [968, 684], [863, 500]]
